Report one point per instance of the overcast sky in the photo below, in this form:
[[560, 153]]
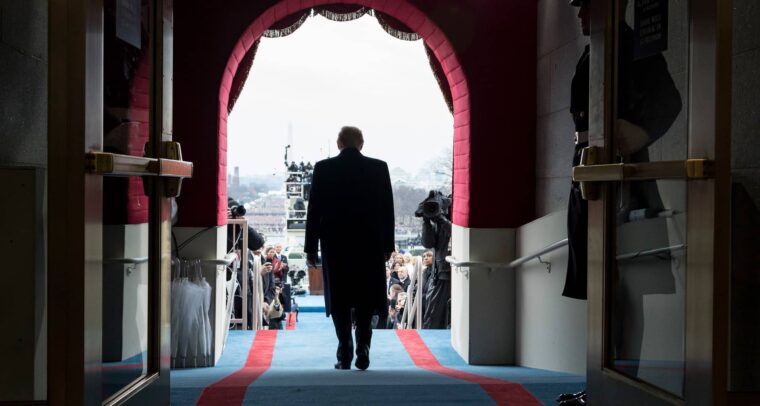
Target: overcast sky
[[328, 74]]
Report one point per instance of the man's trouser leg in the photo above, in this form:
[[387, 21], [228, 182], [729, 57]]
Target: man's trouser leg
[[363, 332], [342, 320]]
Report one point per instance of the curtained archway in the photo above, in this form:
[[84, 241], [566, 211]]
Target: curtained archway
[[398, 18]]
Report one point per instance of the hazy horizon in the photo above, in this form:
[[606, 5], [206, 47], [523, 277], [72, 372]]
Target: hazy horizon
[[302, 88]]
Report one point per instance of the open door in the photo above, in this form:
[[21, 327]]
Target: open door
[[656, 179], [113, 172]]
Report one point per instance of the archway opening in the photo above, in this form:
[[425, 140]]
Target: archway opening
[[303, 87], [405, 19]]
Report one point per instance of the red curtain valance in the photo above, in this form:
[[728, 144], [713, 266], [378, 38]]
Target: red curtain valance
[[342, 12], [396, 28], [440, 77], [287, 25], [241, 75]]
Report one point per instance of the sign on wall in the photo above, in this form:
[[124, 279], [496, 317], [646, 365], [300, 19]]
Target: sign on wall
[[650, 28]]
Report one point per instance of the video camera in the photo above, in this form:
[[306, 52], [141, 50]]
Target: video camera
[[236, 209], [296, 276], [255, 239], [435, 205]]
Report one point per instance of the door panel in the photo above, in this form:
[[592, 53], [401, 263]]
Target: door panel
[[126, 287], [648, 280], [110, 210], [646, 301], [653, 287]]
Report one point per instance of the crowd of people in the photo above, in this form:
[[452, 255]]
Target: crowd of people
[[399, 272], [401, 269], [274, 275]]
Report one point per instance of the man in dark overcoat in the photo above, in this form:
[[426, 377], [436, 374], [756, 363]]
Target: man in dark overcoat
[[350, 214]]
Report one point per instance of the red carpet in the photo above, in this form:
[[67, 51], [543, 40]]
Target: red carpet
[[231, 389], [502, 392]]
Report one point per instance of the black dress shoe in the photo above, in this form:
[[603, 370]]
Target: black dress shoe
[[568, 396], [362, 363], [578, 401], [339, 365]]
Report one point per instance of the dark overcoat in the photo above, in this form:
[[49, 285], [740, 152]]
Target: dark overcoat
[[350, 214]]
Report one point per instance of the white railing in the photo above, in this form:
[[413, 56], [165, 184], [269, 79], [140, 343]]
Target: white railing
[[413, 308], [508, 265], [549, 248]]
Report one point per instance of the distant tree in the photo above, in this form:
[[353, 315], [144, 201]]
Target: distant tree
[[443, 165], [406, 198]]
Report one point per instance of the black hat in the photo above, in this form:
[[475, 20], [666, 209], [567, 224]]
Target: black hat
[[575, 3]]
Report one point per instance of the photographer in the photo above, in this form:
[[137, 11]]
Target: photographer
[[235, 210], [396, 302], [255, 242], [278, 300], [269, 288], [436, 233]]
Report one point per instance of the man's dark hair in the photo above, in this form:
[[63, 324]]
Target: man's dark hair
[[351, 137]]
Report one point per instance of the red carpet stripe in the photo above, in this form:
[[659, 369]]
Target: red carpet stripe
[[231, 389], [501, 391], [291, 323]]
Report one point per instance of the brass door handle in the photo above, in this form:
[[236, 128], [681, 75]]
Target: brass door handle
[[171, 167], [689, 169], [588, 172]]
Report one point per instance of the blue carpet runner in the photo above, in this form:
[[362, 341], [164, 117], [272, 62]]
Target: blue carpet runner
[[301, 373]]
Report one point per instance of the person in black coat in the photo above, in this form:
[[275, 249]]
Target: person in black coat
[[648, 104], [351, 216]]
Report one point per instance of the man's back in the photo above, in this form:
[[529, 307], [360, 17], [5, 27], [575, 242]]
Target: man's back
[[351, 208], [351, 216]]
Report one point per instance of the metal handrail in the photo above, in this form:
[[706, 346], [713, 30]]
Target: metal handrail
[[508, 265], [650, 252], [226, 261], [126, 261], [243, 223], [552, 247], [549, 248], [413, 308]]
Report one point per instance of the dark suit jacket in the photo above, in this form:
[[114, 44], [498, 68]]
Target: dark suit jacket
[[351, 215]]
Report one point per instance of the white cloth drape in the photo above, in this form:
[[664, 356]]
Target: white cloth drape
[[191, 330]]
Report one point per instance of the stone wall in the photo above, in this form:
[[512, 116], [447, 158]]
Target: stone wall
[[23, 82]]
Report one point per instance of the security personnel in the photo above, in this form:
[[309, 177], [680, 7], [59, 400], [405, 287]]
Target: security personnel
[[577, 211], [648, 103]]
